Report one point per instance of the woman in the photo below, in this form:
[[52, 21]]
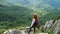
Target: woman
[[34, 23]]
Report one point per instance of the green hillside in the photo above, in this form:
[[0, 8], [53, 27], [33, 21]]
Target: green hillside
[[13, 16], [17, 16]]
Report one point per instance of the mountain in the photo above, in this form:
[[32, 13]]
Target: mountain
[[18, 13], [13, 16], [21, 10], [33, 3]]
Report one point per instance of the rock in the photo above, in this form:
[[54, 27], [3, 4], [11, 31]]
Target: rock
[[27, 29], [57, 28], [48, 24], [14, 32], [42, 33], [7, 32], [22, 31]]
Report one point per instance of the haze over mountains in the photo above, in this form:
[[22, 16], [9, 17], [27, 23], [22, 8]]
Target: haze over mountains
[[33, 3]]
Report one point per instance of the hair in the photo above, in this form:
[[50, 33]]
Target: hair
[[35, 16]]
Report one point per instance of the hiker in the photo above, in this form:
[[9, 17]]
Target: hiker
[[34, 23]]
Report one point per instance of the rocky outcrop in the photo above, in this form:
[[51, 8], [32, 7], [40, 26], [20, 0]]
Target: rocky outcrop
[[14, 32], [52, 24], [57, 28], [48, 24]]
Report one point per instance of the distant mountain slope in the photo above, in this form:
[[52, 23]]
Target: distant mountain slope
[[13, 16]]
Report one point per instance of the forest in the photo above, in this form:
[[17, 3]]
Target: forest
[[18, 17]]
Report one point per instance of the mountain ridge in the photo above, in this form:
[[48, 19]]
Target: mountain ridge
[[33, 3]]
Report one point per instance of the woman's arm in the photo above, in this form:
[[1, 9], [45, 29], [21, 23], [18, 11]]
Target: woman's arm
[[32, 22]]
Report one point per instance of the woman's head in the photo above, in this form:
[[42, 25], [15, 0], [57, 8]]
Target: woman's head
[[35, 15]]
